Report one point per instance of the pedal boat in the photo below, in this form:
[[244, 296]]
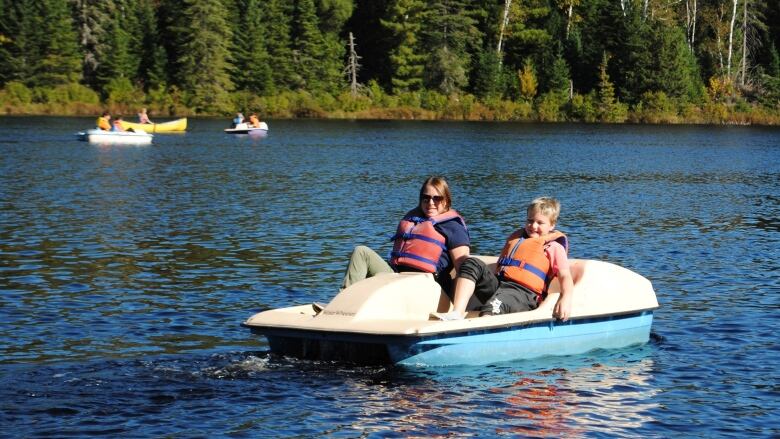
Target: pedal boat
[[244, 128], [117, 137], [386, 320]]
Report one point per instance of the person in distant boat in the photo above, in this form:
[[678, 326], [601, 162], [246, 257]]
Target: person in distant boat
[[118, 124], [531, 258], [254, 122], [143, 117], [239, 119], [103, 122], [431, 238]]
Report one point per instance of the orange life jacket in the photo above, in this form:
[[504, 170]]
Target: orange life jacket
[[417, 243], [524, 261]]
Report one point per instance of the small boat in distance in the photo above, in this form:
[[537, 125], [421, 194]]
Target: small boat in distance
[[172, 126], [244, 128], [138, 137], [386, 319]]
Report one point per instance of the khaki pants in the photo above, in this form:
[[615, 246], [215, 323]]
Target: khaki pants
[[364, 263]]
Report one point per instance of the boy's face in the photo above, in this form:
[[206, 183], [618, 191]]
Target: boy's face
[[538, 224]]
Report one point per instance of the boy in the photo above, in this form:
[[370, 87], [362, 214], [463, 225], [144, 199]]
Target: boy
[[531, 258]]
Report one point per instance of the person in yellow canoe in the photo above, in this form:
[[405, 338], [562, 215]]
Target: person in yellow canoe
[[103, 122], [254, 122], [143, 117]]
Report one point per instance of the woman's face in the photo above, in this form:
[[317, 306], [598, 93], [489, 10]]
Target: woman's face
[[432, 202]]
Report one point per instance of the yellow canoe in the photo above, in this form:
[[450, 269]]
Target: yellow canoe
[[172, 126]]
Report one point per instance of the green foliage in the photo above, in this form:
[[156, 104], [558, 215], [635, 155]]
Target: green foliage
[[16, 93], [487, 76], [584, 108], [204, 55], [448, 32], [319, 55], [252, 64], [773, 68], [120, 92], [287, 57], [550, 105], [404, 24], [446, 71], [609, 109], [656, 107]]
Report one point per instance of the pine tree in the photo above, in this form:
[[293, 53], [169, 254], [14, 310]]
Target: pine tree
[[404, 24], [559, 78], [279, 46], [674, 67], [606, 92], [204, 59], [313, 53], [152, 57], [252, 66], [54, 57], [448, 33]]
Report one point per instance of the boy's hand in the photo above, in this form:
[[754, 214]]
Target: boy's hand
[[562, 308]]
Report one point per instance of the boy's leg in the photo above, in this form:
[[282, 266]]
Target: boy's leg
[[364, 263], [509, 298]]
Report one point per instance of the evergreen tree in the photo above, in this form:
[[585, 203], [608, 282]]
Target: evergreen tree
[[675, 70], [118, 61], [527, 35], [252, 66], [773, 67], [54, 56], [279, 46], [93, 18], [11, 41], [558, 80], [448, 33], [486, 76], [310, 48], [609, 109], [152, 57], [405, 23], [204, 59]]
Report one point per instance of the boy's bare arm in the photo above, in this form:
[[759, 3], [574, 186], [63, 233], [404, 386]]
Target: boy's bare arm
[[562, 308]]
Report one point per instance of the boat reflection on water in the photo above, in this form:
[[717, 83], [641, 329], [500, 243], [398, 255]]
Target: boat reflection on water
[[604, 393], [564, 402]]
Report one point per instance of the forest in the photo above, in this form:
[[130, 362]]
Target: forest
[[636, 61]]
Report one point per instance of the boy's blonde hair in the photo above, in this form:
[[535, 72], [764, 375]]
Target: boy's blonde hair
[[547, 206]]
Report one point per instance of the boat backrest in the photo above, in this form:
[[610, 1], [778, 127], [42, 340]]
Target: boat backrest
[[391, 296]]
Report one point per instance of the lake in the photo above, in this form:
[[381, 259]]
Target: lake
[[125, 273]]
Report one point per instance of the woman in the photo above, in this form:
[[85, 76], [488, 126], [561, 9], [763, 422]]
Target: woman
[[431, 238], [143, 118]]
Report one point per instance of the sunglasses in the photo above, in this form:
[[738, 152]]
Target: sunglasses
[[427, 199]]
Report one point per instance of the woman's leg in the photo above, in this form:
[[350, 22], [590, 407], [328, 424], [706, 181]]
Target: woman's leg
[[474, 279], [364, 263]]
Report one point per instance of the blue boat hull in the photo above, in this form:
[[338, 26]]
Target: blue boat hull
[[476, 347]]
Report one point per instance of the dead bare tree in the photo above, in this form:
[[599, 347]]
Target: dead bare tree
[[353, 66]]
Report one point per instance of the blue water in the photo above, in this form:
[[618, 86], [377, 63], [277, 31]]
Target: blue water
[[125, 273]]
